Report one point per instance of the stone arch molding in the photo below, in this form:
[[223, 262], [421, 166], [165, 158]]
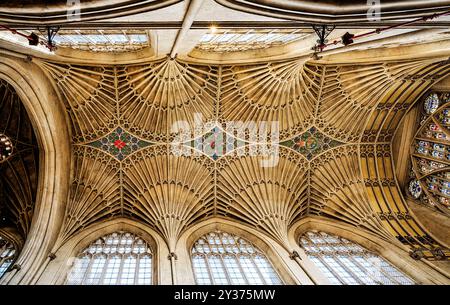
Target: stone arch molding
[[50, 125], [334, 11], [61, 12]]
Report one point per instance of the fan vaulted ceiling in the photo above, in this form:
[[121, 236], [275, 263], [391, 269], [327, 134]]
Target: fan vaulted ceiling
[[124, 88], [348, 112]]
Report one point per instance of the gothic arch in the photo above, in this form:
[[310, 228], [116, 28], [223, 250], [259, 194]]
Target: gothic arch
[[421, 271], [50, 126], [56, 272], [289, 272]]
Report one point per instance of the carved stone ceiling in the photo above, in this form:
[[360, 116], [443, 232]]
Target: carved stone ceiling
[[333, 160]]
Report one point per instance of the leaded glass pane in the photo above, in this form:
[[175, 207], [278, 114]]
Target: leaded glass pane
[[95, 273], [333, 263], [326, 271], [250, 270], [266, 270], [145, 270], [112, 271], [128, 271], [395, 274], [217, 270], [201, 270], [79, 269], [234, 270]]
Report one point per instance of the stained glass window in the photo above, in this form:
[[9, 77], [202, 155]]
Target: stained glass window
[[119, 258], [431, 153], [221, 258], [344, 262], [7, 255]]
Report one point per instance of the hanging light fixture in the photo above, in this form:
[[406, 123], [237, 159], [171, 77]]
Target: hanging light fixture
[[6, 147]]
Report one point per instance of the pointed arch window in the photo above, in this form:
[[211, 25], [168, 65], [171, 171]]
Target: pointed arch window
[[120, 258], [344, 262], [7, 255], [221, 258]]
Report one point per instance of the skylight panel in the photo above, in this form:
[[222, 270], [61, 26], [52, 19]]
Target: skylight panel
[[118, 38], [224, 38], [242, 40], [206, 38], [138, 38], [103, 40], [97, 38], [246, 38], [76, 38]]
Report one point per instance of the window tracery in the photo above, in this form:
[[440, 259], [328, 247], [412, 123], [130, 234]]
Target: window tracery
[[120, 258], [222, 258], [344, 262], [430, 153]]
